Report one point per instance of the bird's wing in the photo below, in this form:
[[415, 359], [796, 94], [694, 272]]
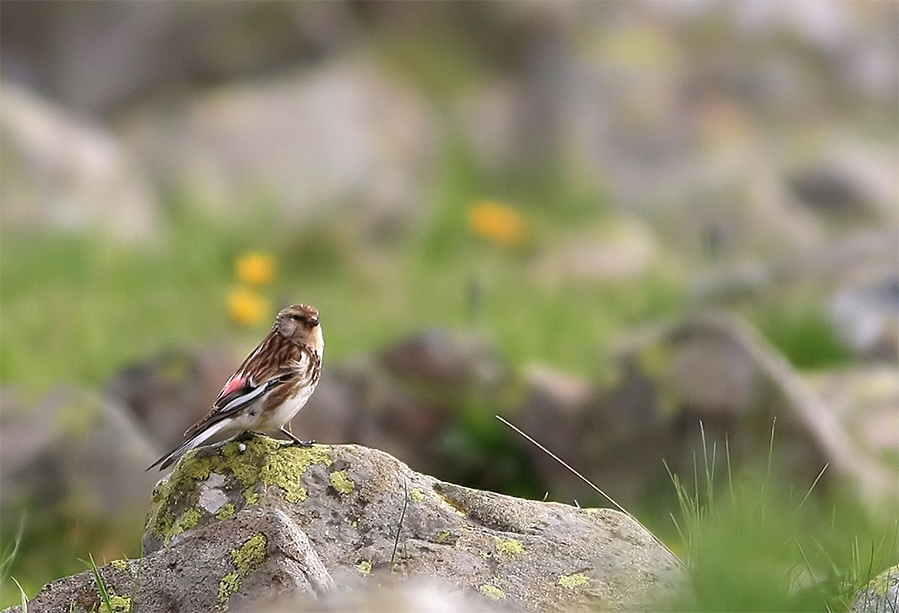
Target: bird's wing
[[239, 392]]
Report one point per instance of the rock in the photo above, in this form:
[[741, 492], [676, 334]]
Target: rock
[[73, 481], [368, 518], [342, 133], [831, 192], [866, 315], [701, 384], [64, 173], [259, 553], [157, 45], [74, 450], [621, 249], [881, 595], [864, 400], [439, 357], [397, 596]]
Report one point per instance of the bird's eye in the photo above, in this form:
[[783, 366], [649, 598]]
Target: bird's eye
[[298, 317]]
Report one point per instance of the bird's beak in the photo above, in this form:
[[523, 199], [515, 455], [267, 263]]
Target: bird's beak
[[313, 322]]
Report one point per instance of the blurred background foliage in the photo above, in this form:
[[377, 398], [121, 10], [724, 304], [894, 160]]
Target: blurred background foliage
[[549, 176]]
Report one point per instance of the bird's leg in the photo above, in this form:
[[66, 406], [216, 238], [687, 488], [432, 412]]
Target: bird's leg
[[296, 440]]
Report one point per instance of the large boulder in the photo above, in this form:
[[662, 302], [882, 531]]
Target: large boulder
[[256, 519]]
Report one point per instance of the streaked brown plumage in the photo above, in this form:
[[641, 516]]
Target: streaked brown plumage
[[271, 385]]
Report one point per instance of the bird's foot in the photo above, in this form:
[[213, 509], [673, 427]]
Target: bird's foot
[[295, 440]]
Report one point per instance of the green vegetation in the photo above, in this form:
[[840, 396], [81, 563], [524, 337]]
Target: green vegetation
[[752, 544]]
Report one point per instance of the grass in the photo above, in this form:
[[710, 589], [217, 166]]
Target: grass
[[101, 584], [751, 544]]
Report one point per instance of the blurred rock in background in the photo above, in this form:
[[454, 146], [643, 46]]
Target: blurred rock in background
[[168, 394], [72, 468], [66, 173]]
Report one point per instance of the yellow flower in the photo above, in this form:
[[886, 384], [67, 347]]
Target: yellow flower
[[498, 223], [256, 268], [246, 307]]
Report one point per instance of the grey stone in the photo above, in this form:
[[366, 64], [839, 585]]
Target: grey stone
[[370, 518], [258, 553], [168, 393]]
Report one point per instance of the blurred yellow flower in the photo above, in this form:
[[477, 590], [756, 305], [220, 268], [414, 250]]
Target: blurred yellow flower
[[498, 223], [256, 268], [246, 307]]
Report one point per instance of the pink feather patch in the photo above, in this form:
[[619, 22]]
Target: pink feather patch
[[234, 383]]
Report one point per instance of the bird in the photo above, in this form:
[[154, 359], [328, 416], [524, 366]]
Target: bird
[[269, 388]]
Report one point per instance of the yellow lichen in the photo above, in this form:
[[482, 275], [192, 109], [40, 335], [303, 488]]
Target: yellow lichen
[[881, 583], [246, 558], [187, 520], [254, 462], [117, 604], [251, 496], [574, 580], [121, 565], [250, 555], [417, 495], [491, 591], [226, 511], [508, 546], [341, 482], [445, 536], [228, 586], [364, 567]]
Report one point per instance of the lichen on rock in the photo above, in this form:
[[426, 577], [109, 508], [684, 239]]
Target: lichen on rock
[[249, 465]]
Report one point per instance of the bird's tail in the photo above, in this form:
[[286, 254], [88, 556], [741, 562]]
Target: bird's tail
[[195, 441]]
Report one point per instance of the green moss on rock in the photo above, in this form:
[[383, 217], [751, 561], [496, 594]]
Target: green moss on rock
[[121, 565], [226, 511], [246, 558], [187, 520]]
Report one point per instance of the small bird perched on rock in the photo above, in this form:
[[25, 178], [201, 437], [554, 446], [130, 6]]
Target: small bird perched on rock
[[269, 388]]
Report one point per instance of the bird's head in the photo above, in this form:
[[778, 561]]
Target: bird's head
[[300, 324]]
